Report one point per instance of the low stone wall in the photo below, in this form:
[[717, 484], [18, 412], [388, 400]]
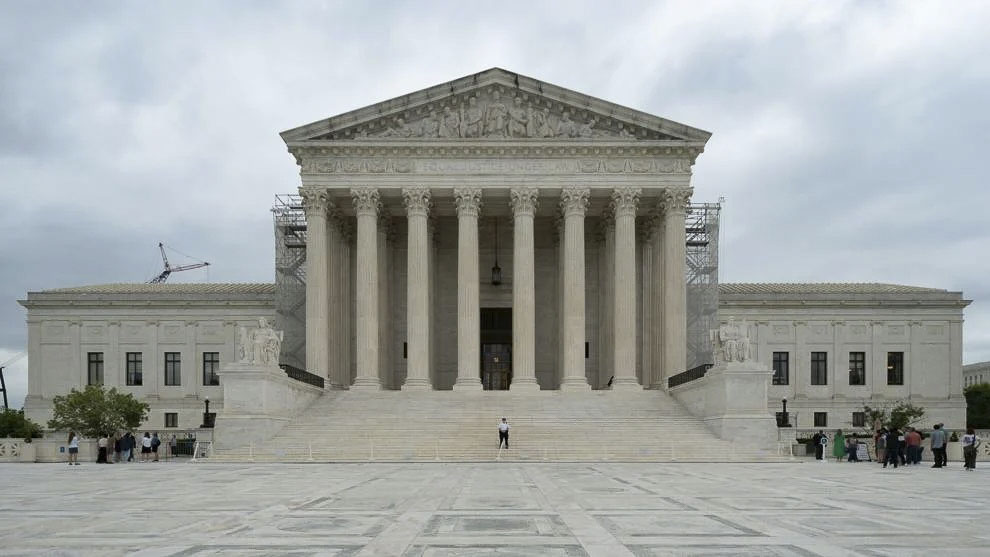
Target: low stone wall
[[258, 402], [17, 450], [731, 399]]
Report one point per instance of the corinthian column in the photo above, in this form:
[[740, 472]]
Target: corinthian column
[[468, 201], [417, 202], [574, 203], [674, 288], [524, 203], [366, 206], [315, 203], [624, 202]]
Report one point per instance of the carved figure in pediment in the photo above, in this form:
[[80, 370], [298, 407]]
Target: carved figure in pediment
[[398, 130], [471, 120], [587, 129], [450, 124], [566, 127], [623, 132], [518, 119], [429, 126], [539, 123], [496, 117]]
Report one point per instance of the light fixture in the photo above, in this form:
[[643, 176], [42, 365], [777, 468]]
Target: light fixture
[[496, 270]]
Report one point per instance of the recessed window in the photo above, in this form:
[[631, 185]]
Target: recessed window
[[211, 368], [821, 419], [895, 368], [94, 368], [819, 368], [171, 419], [134, 369], [781, 368], [859, 419], [857, 368], [173, 369]]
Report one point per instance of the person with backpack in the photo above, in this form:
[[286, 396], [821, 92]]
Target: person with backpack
[[155, 443]]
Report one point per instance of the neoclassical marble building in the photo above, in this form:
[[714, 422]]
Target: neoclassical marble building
[[498, 232]]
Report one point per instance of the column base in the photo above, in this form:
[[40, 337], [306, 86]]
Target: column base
[[626, 384], [530, 386], [575, 384], [369, 384], [417, 385], [468, 385]]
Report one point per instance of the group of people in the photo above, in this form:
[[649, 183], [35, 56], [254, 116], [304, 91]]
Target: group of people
[[124, 447], [900, 448]]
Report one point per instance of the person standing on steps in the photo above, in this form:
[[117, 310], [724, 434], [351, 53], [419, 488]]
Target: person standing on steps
[[503, 433]]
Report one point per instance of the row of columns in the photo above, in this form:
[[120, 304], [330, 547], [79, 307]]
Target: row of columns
[[327, 253]]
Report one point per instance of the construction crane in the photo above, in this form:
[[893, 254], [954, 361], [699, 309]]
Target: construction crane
[[163, 276], [3, 385]]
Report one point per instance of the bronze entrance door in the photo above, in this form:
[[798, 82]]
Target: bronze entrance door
[[496, 366], [496, 348]]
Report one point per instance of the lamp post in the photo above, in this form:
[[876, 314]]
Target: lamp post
[[784, 421], [206, 414]]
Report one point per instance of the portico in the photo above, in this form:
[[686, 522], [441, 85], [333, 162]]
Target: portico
[[403, 200]]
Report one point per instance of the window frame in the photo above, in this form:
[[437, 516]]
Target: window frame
[[134, 366], [895, 371], [857, 367], [861, 421], [174, 422], [819, 368], [781, 374], [173, 369], [824, 419], [92, 363], [211, 377]]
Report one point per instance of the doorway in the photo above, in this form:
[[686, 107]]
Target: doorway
[[496, 348]]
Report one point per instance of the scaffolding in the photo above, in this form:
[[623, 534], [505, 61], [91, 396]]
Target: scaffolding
[[701, 227], [290, 277], [701, 223]]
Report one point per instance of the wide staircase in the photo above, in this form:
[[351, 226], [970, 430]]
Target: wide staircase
[[446, 426]]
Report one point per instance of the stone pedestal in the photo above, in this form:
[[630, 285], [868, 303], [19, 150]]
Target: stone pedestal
[[732, 401], [258, 400]]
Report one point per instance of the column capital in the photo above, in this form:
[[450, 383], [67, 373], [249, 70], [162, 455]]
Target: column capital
[[675, 200], [417, 201], [625, 200], [468, 201], [316, 201], [524, 201], [574, 201], [366, 200]]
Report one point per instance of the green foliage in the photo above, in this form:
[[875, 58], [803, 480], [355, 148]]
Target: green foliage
[[978, 406], [897, 414], [954, 438], [96, 411], [14, 424]]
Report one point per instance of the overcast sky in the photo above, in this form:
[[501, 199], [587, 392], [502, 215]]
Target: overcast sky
[[849, 138]]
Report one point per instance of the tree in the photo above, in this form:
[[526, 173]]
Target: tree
[[14, 424], [95, 411], [978, 406], [896, 414]]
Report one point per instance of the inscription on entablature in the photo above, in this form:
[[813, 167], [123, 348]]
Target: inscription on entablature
[[493, 166]]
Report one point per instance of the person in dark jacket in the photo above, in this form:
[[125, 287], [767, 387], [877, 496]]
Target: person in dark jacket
[[816, 440], [893, 447]]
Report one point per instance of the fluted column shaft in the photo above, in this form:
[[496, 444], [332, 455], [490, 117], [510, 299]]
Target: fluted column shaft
[[675, 203], [574, 203], [366, 206], [656, 307], [417, 201], [524, 203], [339, 306], [468, 201], [315, 204], [624, 202]]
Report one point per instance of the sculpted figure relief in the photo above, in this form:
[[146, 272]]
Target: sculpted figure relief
[[731, 342], [486, 115], [261, 345]]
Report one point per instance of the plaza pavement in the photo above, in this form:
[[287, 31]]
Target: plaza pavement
[[493, 509]]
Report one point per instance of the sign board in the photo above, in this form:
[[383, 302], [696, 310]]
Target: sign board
[[862, 451], [61, 449]]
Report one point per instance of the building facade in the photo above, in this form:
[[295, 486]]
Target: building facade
[[975, 374], [498, 233]]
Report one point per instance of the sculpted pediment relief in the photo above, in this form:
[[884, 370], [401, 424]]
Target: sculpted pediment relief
[[496, 105]]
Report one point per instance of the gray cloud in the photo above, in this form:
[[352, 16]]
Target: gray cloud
[[847, 137]]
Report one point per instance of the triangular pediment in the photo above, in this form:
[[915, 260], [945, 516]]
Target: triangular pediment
[[494, 105]]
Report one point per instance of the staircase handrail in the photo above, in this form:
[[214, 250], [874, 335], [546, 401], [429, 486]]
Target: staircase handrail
[[687, 376], [302, 375]]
